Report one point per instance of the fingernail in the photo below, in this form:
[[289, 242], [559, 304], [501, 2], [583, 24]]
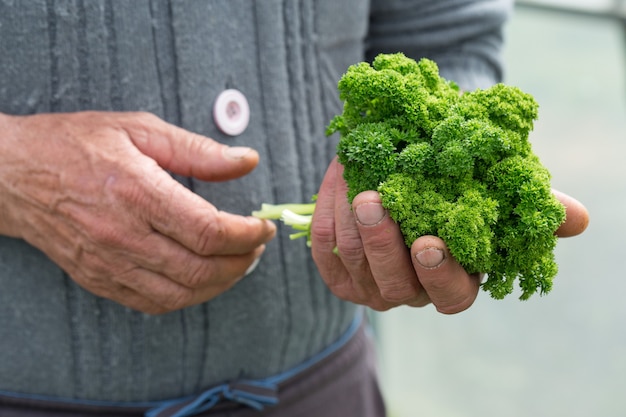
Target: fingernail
[[430, 257], [253, 266], [369, 214], [236, 152]]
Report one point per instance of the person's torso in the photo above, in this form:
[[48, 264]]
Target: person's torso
[[173, 59]]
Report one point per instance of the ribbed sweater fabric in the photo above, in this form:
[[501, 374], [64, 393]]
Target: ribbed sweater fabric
[[173, 58]]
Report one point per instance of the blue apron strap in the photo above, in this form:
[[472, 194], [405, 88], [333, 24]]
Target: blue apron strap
[[254, 394]]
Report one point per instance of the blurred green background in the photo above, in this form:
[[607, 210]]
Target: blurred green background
[[563, 354]]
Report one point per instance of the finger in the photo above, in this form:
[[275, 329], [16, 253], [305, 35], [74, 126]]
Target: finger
[[323, 238], [132, 299], [354, 256], [349, 244], [387, 254], [186, 153], [576, 216], [170, 295], [190, 220], [189, 269], [347, 273], [449, 287], [157, 289], [123, 295], [166, 294]]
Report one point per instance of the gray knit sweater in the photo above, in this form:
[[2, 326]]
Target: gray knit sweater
[[173, 58]]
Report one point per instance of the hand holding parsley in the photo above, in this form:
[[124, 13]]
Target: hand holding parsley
[[457, 166]]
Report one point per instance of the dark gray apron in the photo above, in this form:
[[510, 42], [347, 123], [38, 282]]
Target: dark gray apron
[[339, 381]]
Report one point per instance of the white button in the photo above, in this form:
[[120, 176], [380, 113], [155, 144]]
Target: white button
[[231, 112]]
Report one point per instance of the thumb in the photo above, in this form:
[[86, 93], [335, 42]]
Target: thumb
[[189, 154], [576, 217]]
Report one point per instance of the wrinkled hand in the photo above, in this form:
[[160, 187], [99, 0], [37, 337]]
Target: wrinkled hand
[[375, 268], [91, 191]]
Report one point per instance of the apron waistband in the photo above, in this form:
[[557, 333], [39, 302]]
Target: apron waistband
[[254, 393]]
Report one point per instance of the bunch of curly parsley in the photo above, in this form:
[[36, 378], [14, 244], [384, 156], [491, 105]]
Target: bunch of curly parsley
[[457, 166]]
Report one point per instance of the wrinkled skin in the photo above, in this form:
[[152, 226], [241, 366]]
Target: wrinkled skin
[[375, 268], [91, 191]]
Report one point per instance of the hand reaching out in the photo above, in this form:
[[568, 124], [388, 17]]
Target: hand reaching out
[[374, 267], [91, 191]]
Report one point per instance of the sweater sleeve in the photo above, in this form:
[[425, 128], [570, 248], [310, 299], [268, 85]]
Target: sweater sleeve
[[464, 37]]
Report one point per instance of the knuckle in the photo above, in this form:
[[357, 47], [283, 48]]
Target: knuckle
[[138, 126], [90, 267], [211, 236], [144, 118], [201, 145], [196, 275], [127, 189], [104, 234], [439, 285], [350, 250], [323, 231], [396, 295]]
